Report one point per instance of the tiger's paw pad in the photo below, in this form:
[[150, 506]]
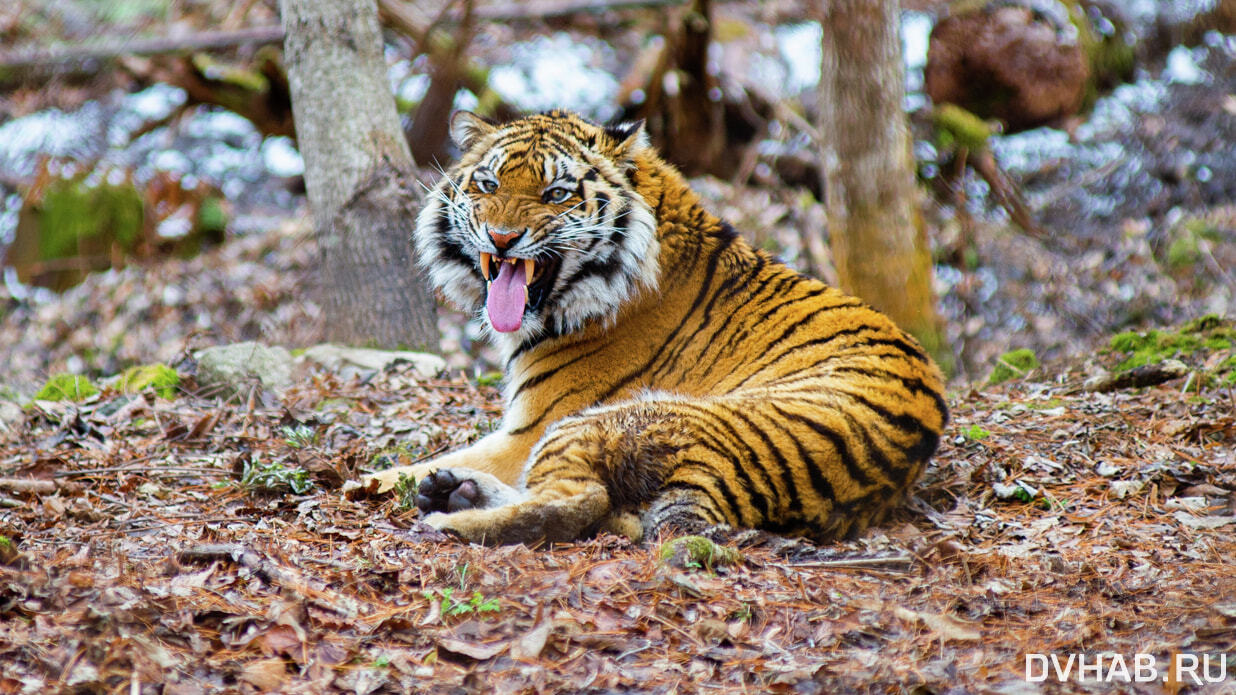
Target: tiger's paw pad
[[455, 490], [443, 491]]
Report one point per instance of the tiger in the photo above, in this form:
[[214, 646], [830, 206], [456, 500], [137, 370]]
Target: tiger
[[662, 377]]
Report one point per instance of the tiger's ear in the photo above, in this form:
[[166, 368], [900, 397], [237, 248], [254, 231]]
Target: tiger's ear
[[630, 136], [467, 128]]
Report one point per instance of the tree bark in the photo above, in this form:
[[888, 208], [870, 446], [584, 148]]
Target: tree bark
[[876, 232], [359, 176]]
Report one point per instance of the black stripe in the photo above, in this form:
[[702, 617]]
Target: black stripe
[[692, 502], [524, 428], [605, 268], [549, 373], [671, 364], [740, 336], [902, 421], [726, 231], [823, 340], [783, 467], [912, 384], [852, 466], [875, 451], [723, 488], [756, 499], [823, 489], [631, 376], [901, 345]]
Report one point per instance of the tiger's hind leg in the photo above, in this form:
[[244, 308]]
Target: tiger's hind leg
[[680, 511]]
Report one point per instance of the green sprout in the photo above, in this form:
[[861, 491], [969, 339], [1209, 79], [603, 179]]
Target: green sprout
[[275, 477], [300, 436]]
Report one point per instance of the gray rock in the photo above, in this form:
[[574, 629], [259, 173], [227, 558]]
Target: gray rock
[[348, 361], [10, 415], [233, 369]]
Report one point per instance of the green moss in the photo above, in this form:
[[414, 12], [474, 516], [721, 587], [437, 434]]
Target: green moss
[[975, 433], [1013, 365], [1152, 347], [406, 490], [1183, 252], [489, 379], [73, 228], [1109, 55], [1201, 336], [956, 126], [160, 378], [214, 69], [1201, 324], [274, 478], [212, 216], [74, 211], [1203, 228], [696, 552], [67, 387]]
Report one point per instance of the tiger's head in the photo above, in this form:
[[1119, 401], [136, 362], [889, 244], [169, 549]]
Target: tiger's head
[[539, 224]]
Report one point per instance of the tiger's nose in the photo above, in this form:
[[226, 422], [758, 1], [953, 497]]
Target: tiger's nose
[[502, 241]]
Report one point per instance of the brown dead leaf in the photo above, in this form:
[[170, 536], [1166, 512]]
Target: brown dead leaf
[[475, 650], [265, 674], [712, 631], [947, 628], [282, 640], [529, 646]]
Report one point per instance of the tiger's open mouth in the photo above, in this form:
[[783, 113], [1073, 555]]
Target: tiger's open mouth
[[514, 285]]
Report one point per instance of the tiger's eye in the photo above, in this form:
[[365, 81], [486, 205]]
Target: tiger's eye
[[556, 194], [485, 180]]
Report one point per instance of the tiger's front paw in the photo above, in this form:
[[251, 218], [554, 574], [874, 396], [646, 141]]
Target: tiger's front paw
[[441, 491], [459, 489], [471, 525], [385, 481]]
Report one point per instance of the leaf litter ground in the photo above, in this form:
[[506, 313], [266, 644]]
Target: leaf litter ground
[[1053, 521], [159, 545]]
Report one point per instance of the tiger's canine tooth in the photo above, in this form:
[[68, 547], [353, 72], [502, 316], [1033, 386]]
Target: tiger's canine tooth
[[529, 269], [485, 260]]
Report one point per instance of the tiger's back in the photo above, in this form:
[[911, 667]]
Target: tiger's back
[[714, 386]]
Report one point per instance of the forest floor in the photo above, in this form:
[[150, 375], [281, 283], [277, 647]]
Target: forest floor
[[157, 546]]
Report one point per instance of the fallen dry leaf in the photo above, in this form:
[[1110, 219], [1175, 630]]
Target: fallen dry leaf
[[265, 674]]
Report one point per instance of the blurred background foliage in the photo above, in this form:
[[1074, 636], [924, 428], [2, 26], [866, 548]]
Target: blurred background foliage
[[1079, 180]]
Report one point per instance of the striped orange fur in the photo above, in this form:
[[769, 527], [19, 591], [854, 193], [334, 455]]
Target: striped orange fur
[[662, 369]]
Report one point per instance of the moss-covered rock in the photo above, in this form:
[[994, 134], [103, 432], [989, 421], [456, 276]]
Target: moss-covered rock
[[160, 378], [74, 228], [1202, 336], [67, 387], [1014, 364], [697, 552]]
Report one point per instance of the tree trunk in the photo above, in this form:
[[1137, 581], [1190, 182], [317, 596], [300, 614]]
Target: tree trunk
[[359, 176], [877, 234]]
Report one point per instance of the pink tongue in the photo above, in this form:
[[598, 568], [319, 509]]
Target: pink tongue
[[505, 302]]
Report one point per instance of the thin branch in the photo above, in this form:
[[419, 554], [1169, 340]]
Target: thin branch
[[29, 485], [541, 9], [77, 56], [887, 563], [273, 574], [399, 14]]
